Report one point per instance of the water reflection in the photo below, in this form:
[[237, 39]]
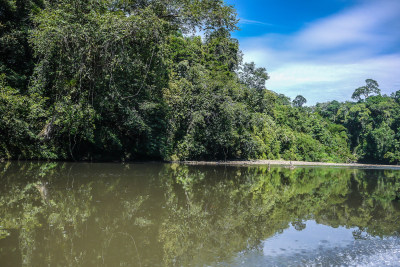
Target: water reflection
[[175, 215], [321, 245]]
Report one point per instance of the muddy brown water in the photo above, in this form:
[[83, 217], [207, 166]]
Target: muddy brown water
[[155, 214]]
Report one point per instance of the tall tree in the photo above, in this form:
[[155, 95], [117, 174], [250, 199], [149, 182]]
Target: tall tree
[[299, 101], [253, 77], [396, 96], [371, 87]]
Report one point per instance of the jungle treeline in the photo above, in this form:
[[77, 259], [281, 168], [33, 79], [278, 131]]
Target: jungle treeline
[[130, 80]]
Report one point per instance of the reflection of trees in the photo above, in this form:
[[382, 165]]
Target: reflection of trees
[[212, 219], [216, 218], [107, 215], [60, 228], [39, 215]]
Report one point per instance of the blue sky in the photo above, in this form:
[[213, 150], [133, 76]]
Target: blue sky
[[322, 49]]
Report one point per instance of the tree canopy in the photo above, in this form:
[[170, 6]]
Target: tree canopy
[[372, 125], [371, 87], [299, 101]]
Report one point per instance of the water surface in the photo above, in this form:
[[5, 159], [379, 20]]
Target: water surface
[[153, 214]]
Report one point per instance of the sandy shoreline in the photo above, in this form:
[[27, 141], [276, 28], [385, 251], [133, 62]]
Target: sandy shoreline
[[285, 163]]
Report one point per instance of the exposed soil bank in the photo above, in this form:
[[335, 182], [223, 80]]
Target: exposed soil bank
[[286, 163]]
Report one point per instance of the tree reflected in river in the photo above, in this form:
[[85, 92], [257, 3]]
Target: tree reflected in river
[[177, 215]]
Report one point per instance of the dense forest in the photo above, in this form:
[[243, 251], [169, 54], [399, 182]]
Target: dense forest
[[129, 80]]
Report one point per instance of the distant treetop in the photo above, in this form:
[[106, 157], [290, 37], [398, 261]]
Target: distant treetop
[[371, 87], [299, 101]]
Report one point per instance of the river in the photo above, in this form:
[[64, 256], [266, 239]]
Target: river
[[156, 214]]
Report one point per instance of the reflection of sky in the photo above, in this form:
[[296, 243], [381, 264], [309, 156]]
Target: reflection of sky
[[313, 237], [321, 245]]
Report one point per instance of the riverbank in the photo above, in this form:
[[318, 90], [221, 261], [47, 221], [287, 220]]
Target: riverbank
[[285, 163]]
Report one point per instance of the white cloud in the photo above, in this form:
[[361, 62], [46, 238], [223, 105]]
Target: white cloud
[[331, 57], [325, 82], [248, 21], [360, 25]]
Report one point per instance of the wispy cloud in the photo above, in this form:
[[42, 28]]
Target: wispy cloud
[[368, 25], [248, 21], [330, 57]]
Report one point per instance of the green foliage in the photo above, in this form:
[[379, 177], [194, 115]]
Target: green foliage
[[212, 116], [371, 87], [105, 67], [185, 15], [396, 96], [253, 77], [128, 80], [103, 73], [299, 101], [20, 121], [16, 59], [372, 126]]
